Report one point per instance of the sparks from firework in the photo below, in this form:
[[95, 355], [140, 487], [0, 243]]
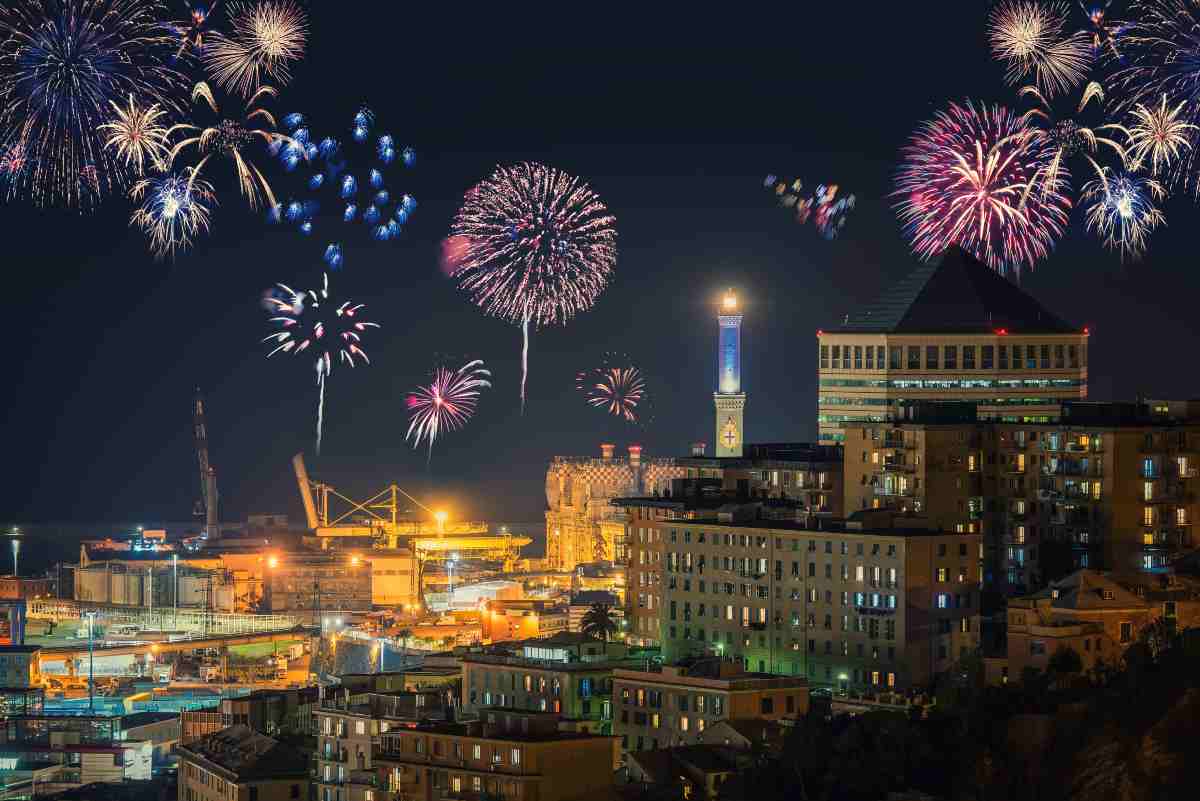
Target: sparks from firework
[[63, 65], [617, 387], [193, 30], [312, 321], [1121, 209], [541, 247], [1159, 134], [1103, 32], [1160, 64], [1068, 135], [174, 209], [965, 180], [446, 403], [351, 178], [1028, 36], [138, 135], [231, 138], [265, 36], [827, 211]]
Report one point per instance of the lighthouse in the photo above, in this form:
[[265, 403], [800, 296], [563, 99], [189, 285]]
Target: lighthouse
[[729, 400]]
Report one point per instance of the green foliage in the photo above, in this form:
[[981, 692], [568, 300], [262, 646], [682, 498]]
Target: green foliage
[[598, 622]]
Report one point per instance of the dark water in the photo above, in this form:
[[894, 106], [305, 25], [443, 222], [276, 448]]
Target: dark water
[[45, 544]]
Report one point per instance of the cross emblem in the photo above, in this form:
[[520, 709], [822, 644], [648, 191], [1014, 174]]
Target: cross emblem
[[730, 435]]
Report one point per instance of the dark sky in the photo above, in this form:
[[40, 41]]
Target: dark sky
[[673, 121]]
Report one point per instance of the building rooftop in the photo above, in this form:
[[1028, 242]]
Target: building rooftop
[[128, 790], [592, 597], [710, 672], [145, 718], [248, 755], [1087, 590], [542, 728], [957, 295]]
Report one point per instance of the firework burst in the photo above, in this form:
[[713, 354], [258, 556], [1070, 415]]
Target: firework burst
[[966, 180], [232, 138], [1104, 32], [265, 36], [539, 248], [1029, 38], [616, 386], [446, 404], [64, 64], [173, 210], [827, 211], [1121, 209], [1159, 135], [1160, 68], [1069, 135], [138, 135], [313, 322]]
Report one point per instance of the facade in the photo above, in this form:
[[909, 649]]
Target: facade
[[239, 764], [880, 601], [568, 675], [501, 621], [675, 704], [394, 578], [269, 712], [308, 585], [1110, 486], [729, 400], [160, 729], [509, 754], [1095, 615], [84, 748], [14, 587], [951, 331]]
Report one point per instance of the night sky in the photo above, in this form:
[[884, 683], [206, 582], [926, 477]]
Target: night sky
[[674, 122]]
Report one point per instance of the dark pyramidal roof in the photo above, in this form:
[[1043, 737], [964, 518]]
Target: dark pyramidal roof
[[957, 295]]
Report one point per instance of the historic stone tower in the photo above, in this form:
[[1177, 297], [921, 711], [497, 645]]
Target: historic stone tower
[[729, 400]]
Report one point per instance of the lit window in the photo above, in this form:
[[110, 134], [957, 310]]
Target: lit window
[[477, 784], [1148, 515], [943, 574], [683, 723], [477, 751], [1181, 516], [1147, 490]]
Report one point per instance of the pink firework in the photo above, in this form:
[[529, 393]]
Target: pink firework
[[617, 388], [967, 179], [447, 403]]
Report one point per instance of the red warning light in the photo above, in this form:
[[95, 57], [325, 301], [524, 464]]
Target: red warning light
[[1002, 332]]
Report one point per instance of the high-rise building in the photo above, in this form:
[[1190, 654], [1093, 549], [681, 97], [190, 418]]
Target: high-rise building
[[955, 330], [729, 400], [1109, 486]]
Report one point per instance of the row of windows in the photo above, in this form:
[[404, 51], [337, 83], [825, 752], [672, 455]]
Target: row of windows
[[950, 357], [952, 383], [839, 400]]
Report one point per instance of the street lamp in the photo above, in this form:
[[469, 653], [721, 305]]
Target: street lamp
[[440, 516], [91, 616], [175, 592], [450, 568], [16, 548]]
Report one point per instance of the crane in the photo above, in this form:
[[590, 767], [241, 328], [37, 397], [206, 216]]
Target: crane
[[206, 505]]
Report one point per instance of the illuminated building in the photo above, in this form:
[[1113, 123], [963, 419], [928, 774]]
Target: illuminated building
[[517, 755], [674, 704], [239, 763], [1109, 486], [501, 621], [729, 400], [878, 601], [950, 331], [310, 584]]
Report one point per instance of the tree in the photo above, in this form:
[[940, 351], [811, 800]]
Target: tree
[[1064, 663], [598, 622], [405, 635]]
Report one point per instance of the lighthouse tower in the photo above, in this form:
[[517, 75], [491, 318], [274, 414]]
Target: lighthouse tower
[[729, 400]]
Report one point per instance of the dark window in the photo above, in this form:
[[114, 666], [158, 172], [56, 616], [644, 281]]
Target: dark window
[[894, 359], [837, 356], [1060, 357], [253, 793], [791, 703], [294, 792], [914, 357], [1016, 360], [879, 357], [1045, 357], [870, 357], [931, 357], [1031, 357], [1004, 357], [987, 364], [768, 706], [846, 357], [950, 357], [968, 352], [858, 363], [824, 357], [1073, 352]]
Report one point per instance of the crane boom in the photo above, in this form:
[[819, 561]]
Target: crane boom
[[206, 507]]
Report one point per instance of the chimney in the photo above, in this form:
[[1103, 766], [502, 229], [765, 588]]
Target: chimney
[[698, 448], [635, 455], [606, 450]]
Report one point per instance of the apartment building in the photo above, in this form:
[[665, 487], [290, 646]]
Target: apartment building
[[348, 724], [881, 600], [673, 705], [239, 764], [954, 330], [569, 675], [1109, 485], [515, 755], [270, 712], [84, 748]]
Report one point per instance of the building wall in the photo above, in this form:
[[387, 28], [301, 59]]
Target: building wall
[[306, 585], [574, 693], [394, 579], [855, 389], [343, 747], [198, 783]]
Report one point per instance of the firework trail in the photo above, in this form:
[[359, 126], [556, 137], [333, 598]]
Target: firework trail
[[313, 321], [1160, 68], [1121, 209], [446, 404], [174, 209], [265, 36], [966, 180], [232, 138], [191, 32], [1028, 36], [1158, 134], [349, 179], [1069, 135], [539, 248], [827, 211], [64, 64], [138, 135], [617, 387]]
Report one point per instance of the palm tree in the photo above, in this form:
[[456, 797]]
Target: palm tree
[[405, 635], [598, 622]]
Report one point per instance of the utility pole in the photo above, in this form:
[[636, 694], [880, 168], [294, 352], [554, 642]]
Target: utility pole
[[91, 616], [175, 592], [150, 593]]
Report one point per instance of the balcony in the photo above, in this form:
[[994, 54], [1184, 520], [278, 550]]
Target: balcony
[[364, 778], [897, 466], [893, 491], [893, 441]]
